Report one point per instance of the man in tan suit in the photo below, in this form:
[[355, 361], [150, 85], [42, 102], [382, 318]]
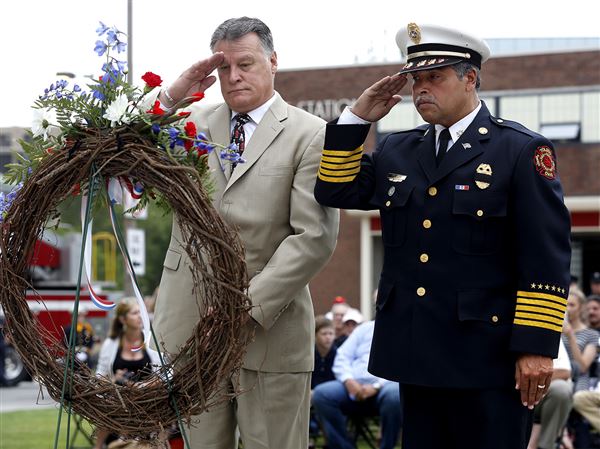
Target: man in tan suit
[[287, 236]]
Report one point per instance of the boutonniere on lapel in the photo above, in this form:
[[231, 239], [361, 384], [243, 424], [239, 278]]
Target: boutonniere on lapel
[[483, 176]]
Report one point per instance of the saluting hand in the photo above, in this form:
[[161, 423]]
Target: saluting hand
[[197, 78], [533, 375], [376, 101]]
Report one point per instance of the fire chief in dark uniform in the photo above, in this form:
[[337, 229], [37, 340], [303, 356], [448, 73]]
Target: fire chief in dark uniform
[[473, 289]]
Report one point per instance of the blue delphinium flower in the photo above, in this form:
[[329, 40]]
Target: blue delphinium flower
[[121, 66], [120, 46], [100, 48], [97, 94], [101, 29], [7, 199], [156, 128], [111, 36], [76, 88]]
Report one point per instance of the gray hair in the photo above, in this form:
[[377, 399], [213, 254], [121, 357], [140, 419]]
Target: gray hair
[[236, 28], [462, 68]]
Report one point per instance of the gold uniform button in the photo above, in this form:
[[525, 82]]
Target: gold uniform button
[[388, 203], [421, 291], [424, 258], [495, 318], [426, 224], [479, 213], [432, 191]]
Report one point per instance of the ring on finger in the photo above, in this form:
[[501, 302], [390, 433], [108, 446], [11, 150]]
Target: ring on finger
[[541, 386]]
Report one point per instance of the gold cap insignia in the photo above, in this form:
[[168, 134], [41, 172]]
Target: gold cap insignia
[[414, 32]]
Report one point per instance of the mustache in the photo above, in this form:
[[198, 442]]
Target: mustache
[[424, 99]]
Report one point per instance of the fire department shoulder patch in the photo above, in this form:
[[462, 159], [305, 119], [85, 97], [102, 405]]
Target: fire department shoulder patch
[[544, 162]]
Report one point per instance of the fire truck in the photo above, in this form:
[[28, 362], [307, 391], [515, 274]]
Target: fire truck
[[53, 274]]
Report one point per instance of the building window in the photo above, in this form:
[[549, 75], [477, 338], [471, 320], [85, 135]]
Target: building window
[[561, 132]]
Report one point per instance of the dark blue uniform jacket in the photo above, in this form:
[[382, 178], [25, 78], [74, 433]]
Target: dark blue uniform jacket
[[476, 251]]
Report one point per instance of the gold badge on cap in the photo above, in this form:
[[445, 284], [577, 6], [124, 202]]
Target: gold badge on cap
[[483, 178], [414, 32]]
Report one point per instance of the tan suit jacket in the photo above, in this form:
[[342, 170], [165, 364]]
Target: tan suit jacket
[[287, 235]]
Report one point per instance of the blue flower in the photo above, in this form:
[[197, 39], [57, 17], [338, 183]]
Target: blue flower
[[101, 29], [202, 136], [111, 36], [100, 48], [97, 94], [120, 46], [7, 199], [76, 88], [156, 128], [121, 65]]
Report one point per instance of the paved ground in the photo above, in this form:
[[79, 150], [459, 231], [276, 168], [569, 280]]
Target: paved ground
[[25, 396]]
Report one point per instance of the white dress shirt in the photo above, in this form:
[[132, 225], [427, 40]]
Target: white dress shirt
[[256, 115]]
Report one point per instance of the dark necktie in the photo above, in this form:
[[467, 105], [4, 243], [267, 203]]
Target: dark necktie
[[238, 137], [443, 148]]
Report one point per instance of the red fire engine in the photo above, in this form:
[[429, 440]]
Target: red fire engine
[[53, 274]]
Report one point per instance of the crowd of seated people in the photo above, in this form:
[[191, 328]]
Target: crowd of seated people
[[569, 416]]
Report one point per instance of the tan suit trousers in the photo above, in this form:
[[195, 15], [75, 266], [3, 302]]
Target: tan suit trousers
[[273, 414], [587, 403]]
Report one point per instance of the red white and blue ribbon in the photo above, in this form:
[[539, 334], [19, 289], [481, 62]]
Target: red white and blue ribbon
[[115, 196], [96, 299]]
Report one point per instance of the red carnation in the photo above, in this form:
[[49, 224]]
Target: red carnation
[[184, 114], [152, 79], [197, 96], [156, 109], [190, 129]]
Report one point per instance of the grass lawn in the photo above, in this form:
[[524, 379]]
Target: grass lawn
[[36, 430]]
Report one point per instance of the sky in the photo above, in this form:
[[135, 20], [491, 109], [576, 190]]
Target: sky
[[40, 38]]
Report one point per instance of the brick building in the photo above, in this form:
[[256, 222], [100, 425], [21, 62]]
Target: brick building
[[556, 94]]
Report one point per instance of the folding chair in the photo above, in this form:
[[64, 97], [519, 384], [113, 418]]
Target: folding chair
[[364, 427]]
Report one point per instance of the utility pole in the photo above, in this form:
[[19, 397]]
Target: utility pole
[[128, 222]]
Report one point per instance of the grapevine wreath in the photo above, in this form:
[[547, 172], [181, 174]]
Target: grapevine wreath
[[153, 148]]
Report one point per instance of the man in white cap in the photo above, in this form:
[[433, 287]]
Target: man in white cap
[[476, 247]]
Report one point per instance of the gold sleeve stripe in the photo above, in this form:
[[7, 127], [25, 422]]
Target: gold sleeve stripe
[[330, 179], [340, 172], [542, 303], [544, 310], [548, 296], [359, 150], [538, 316], [340, 166], [358, 157], [539, 324]]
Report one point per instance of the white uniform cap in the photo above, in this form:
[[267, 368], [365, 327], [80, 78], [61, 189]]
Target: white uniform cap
[[429, 46]]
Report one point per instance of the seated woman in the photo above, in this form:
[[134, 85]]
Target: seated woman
[[117, 361]]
